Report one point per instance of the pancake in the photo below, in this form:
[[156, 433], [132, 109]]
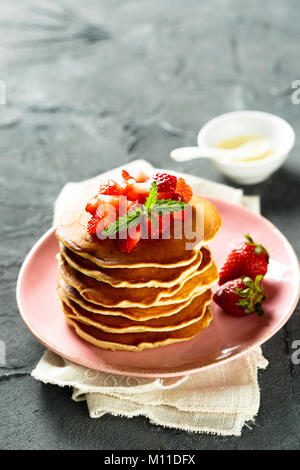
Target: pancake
[[133, 313], [114, 324], [157, 294], [136, 341], [102, 293], [171, 252], [139, 277]]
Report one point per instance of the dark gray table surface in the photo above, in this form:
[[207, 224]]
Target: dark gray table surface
[[92, 85]]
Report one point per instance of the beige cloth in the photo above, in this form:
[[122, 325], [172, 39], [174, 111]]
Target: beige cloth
[[219, 400]]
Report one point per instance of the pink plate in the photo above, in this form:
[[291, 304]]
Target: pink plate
[[225, 339]]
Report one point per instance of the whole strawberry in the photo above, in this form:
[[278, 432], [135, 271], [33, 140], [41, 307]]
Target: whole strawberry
[[249, 259], [241, 297]]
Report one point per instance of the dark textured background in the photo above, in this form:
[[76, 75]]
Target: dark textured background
[[92, 85]]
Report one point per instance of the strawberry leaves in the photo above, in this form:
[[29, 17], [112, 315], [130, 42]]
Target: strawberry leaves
[[241, 297], [251, 296]]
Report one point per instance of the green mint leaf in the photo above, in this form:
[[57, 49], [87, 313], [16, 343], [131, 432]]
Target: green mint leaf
[[152, 197], [171, 202], [131, 219], [168, 206]]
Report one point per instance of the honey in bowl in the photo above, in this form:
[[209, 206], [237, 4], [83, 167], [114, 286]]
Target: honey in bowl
[[235, 142]]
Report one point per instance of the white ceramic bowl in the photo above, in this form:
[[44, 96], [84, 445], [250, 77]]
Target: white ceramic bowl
[[250, 123]]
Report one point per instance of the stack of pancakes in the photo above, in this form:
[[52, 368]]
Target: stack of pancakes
[[156, 295]]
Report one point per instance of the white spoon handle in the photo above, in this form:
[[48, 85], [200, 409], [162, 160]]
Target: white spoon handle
[[183, 154], [251, 149]]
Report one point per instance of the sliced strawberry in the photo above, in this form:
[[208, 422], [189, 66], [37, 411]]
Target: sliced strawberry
[[126, 245], [165, 182], [92, 226], [99, 200], [92, 205], [109, 209], [109, 204], [105, 210], [155, 226], [184, 190], [141, 177], [127, 205], [127, 177], [111, 188], [138, 191], [167, 195]]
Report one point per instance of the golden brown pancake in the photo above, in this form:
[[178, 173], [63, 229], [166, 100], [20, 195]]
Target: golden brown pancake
[[139, 277], [157, 294], [133, 313], [114, 324], [104, 294], [72, 232], [136, 341]]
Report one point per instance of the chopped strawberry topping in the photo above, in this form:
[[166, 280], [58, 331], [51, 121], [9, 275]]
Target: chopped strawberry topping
[[114, 201], [167, 195], [92, 205], [93, 224], [127, 244], [165, 182], [141, 177], [184, 190], [101, 202], [157, 225], [138, 191], [126, 176], [111, 188]]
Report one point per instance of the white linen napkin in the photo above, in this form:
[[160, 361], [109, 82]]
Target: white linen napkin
[[219, 400]]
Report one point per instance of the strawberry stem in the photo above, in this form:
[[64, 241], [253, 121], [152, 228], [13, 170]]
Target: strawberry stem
[[258, 248]]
